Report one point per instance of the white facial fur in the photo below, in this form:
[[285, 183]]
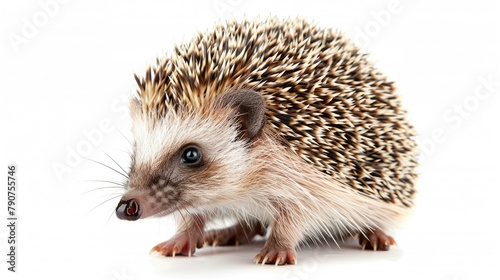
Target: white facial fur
[[158, 143]]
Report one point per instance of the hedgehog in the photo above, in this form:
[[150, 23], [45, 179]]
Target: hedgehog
[[280, 126]]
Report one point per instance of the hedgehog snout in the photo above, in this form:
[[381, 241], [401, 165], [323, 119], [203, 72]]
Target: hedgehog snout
[[129, 210]]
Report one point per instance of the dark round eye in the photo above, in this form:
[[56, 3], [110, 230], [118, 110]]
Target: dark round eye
[[191, 156]]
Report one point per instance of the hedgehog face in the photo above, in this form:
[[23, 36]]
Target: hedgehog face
[[191, 159]]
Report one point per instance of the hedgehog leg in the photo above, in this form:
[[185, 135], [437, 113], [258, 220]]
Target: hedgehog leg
[[240, 233], [376, 240], [280, 246]]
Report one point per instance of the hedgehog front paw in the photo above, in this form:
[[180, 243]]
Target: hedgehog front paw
[[277, 256], [376, 240], [181, 244], [240, 233]]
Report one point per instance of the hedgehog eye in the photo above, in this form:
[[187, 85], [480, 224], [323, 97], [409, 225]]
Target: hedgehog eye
[[191, 156]]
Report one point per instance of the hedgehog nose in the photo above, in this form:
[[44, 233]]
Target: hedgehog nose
[[128, 210]]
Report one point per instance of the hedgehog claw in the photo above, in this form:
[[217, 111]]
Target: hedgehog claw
[[276, 256], [215, 242], [363, 244], [154, 249]]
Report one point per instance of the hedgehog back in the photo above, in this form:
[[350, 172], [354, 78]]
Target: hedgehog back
[[324, 98]]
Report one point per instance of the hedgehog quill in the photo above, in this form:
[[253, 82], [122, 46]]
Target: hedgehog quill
[[280, 125]]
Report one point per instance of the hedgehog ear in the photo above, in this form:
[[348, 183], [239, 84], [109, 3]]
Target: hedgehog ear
[[251, 108]]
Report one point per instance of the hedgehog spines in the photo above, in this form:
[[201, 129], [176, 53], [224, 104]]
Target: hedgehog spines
[[333, 108]]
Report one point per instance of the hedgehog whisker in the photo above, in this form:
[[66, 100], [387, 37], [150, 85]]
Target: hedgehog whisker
[[106, 181], [126, 138], [109, 217], [185, 221], [103, 188], [109, 167], [124, 171], [102, 203]]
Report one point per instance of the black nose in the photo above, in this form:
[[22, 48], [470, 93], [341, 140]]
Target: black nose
[[128, 210]]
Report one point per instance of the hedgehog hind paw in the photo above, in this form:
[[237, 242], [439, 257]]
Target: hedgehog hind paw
[[376, 240], [234, 235]]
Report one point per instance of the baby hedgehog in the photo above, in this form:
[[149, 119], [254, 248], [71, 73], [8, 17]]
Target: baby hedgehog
[[273, 123]]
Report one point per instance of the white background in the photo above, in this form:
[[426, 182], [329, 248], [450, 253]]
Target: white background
[[70, 75]]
